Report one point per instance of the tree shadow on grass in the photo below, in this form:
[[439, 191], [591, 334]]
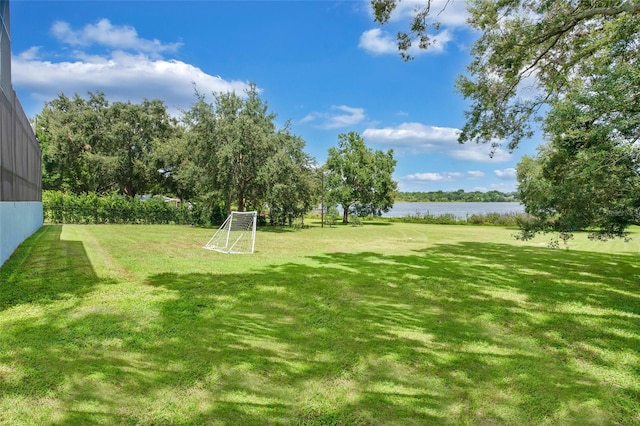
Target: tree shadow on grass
[[25, 277], [45, 280], [459, 333], [468, 333], [376, 223], [276, 229]]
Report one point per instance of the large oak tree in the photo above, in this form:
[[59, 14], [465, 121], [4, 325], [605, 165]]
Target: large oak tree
[[357, 175], [588, 174], [235, 156], [90, 145]]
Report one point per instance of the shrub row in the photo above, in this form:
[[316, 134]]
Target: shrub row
[[502, 219], [60, 207]]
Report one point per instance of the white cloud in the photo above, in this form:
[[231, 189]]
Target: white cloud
[[334, 120], [132, 71], [122, 77], [480, 153], [501, 186], [509, 173], [380, 42], [352, 116], [442, 177], [529, 86], [30, 54], [427, 177], [476, 174], [447, 12], [312, 116], [104, 33], [414, 135], [439, 41], [420, 138], [451, 15]]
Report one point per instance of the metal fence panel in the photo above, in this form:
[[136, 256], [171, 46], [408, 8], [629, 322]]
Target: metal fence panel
[[20, 155]]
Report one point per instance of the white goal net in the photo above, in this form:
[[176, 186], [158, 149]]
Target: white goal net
[[236, 235]]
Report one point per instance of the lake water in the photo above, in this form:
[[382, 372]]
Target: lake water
[[460, 210]]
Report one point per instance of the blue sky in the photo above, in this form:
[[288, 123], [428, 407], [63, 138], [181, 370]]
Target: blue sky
[[323, 65]]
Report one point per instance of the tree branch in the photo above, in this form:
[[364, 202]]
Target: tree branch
[[630, 7]]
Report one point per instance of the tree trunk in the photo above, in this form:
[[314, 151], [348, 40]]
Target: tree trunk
[[227, 205], [345, 215]]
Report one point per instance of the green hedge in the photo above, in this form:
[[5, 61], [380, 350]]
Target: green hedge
[[60, 207]]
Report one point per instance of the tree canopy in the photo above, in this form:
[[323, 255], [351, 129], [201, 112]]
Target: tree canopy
[[288, 178], [360, 177], [574, 65], [221, 155], [236, 157], [542, 45], [90, 145], [588, 175]]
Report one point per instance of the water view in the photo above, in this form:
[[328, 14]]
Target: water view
[[459, 210]]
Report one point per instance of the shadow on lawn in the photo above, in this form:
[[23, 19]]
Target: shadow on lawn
[[25, 277], [468, 333], [459, 333], [40, 285], [276, 229]]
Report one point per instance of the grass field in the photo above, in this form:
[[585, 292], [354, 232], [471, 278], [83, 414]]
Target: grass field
[[397, 324]]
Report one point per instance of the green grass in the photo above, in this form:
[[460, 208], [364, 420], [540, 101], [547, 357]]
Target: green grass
[[396, 323]]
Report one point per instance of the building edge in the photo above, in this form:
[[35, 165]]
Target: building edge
[[20, 158]]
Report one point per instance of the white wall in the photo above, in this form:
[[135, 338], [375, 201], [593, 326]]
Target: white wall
[[18, 220]]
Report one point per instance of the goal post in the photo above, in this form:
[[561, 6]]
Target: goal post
[[237, 234]]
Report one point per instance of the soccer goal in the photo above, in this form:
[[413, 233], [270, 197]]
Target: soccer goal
[[236, 235]]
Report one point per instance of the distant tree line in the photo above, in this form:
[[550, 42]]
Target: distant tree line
[[219, 156], [458, 196]]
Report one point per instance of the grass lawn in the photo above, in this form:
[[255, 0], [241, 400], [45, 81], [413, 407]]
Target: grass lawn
[[399, 324]]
